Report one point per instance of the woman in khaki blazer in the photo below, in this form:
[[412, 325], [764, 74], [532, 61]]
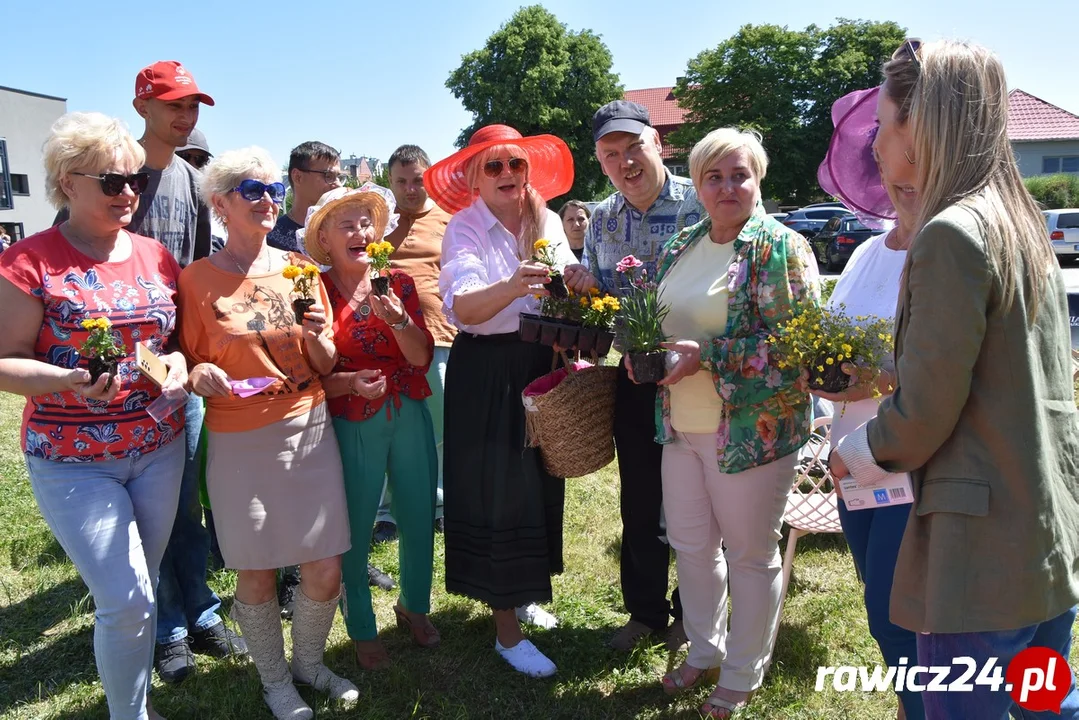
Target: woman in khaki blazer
[[983, 416]]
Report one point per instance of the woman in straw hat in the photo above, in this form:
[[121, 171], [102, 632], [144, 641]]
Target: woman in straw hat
[[377, 392], [983, 416], [869, 286], [273, 470], [503, 511]]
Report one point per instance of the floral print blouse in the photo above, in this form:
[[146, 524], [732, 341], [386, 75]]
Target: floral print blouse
[[766, 409]]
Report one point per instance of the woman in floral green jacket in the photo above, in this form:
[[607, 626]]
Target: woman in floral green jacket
[[730, 434]]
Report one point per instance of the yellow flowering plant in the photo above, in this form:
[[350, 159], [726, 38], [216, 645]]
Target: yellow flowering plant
[[102, 348], [379, 254], [822, 339], [599, 311], [303, 279], [543, 253]]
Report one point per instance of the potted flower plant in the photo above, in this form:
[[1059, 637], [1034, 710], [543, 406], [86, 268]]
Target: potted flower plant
[[639, 324], [598, 315], [102, 349], [822, 339], [379, 254], [542, 253], [303, 284]]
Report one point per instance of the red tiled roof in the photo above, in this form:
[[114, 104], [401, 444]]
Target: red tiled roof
[[662, 107], [1031, 118]]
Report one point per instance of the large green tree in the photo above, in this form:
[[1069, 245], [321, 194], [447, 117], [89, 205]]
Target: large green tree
[[783, 83], [539, 77]]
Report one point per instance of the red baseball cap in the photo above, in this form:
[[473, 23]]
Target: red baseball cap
[[168, 80]]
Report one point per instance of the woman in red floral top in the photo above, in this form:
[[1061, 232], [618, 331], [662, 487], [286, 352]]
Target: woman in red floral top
[[377, 393]]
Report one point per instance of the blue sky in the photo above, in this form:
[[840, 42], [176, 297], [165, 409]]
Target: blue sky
[[368, 76]]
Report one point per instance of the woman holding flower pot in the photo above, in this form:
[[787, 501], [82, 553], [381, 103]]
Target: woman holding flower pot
[[105, 474], [377, 391], [730, 415], [503, 511], [273, 470]]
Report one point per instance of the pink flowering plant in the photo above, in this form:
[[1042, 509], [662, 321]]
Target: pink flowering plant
[[639, 324]]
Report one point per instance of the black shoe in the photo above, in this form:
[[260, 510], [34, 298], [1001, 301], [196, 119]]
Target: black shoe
[[218, 641], [379, 579], [174, 661], [287, 587], [440, 525], [384, 532]]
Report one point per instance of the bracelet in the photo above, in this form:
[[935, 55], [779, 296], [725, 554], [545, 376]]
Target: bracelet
[[352, 385], [401, 325]]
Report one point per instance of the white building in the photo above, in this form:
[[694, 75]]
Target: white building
[[25, 119]]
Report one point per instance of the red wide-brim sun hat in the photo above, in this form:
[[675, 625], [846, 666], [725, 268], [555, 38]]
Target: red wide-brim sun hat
[[550, 166], [849, 171]]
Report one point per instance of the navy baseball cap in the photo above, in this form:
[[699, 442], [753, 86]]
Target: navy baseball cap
[[620, 116]]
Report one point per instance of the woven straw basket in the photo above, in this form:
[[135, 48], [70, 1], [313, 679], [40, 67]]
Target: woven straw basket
[[572, 423]]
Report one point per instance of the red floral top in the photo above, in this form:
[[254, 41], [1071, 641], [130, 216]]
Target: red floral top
[[138, 296], [364, 342]]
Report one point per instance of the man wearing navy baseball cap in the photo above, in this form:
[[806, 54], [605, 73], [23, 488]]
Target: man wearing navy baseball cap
[[650, 206]]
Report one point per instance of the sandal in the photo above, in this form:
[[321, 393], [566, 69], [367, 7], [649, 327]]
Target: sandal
[[419, 626], [679, 679], [371, 655], [720, 708]]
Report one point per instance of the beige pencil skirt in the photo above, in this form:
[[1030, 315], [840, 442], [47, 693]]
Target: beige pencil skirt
[[278, 493]]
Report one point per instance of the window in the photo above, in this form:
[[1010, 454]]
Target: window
[[1068, 220], [831, 226], [852, 225], [20, 184], [5, 179], [827, 214], [680, 170], [1058, 164]]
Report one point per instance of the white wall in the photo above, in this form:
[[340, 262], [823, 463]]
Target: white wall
[[1030, 154], [25, 120]]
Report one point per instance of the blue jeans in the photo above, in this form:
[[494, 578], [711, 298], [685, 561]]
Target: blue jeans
[[874, 537], [982, 703], [113, 518], [185, 602], [436, 378]]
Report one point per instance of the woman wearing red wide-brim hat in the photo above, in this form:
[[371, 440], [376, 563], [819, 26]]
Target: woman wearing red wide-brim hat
[[503, 511]]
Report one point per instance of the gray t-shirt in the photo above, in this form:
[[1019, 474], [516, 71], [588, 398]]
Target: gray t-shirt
[[171, 212]]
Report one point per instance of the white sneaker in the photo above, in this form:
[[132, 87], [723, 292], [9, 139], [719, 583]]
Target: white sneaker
[[535, 615], [526, 658]]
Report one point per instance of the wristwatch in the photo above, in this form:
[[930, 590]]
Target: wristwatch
[[401, 325]]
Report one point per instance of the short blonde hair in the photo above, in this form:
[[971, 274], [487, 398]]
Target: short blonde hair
[[720, 143], [227, 170], [85, 142]]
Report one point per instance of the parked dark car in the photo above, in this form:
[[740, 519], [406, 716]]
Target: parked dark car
[[834, 244], [809, 221]]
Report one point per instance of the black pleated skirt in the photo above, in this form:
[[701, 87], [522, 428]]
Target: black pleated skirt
[[503, 511]]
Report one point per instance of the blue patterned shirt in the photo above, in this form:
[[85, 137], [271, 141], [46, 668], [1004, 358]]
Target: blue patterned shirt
[[618, 229]]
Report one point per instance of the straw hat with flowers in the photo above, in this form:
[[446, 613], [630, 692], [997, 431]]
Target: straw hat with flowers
[[378, 201]]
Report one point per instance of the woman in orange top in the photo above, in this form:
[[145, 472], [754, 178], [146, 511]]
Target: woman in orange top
[[272, 465]]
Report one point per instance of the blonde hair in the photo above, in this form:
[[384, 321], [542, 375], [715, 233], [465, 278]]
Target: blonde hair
[[85, 142], [958, 108], [533, 208], [227, 170], [720, 143]]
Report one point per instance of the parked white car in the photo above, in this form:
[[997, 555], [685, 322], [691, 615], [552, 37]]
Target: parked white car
[[1063, 232]]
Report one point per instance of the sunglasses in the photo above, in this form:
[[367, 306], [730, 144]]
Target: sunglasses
[[328, 175], [112, 184], [910, 49], [253, 190], [493, 168]]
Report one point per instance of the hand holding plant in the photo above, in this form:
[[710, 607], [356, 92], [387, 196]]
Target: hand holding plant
[[543, 253], [102, 348], [303, 284], [640, 322]]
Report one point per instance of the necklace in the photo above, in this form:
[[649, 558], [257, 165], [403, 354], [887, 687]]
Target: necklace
[[237, 263], [89, 248]]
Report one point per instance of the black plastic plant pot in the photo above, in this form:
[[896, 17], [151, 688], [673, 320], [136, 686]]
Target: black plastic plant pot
[[557, 286], [380, 286], [568, 334], [604, 340], [587, 339], [548, 332], [101, 366], [832, 380], [300, 306], [529, 328], [649, 367]]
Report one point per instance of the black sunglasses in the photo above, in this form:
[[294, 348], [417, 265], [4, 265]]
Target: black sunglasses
[[910, 48], [253, 190], [112, 184], [493, 168]]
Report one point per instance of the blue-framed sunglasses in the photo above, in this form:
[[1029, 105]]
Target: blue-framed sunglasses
[[253, 190]]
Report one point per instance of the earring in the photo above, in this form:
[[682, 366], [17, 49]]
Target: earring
[[907, 156]]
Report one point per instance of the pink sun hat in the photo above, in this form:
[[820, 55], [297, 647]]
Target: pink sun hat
[[849, 171]]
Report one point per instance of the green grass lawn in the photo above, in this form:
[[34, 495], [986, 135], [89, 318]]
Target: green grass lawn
[[46, 642]]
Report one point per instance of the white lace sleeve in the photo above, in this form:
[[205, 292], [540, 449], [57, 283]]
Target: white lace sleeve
[[463, 268]]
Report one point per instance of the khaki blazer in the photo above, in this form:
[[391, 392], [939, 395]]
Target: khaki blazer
[[984, 420]]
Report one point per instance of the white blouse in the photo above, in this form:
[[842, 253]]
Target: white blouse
[[477, 251]]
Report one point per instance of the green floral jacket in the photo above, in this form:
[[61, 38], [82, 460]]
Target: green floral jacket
[[766, 409]]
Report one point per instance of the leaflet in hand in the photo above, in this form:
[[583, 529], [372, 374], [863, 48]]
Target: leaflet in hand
[[893, 490]]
